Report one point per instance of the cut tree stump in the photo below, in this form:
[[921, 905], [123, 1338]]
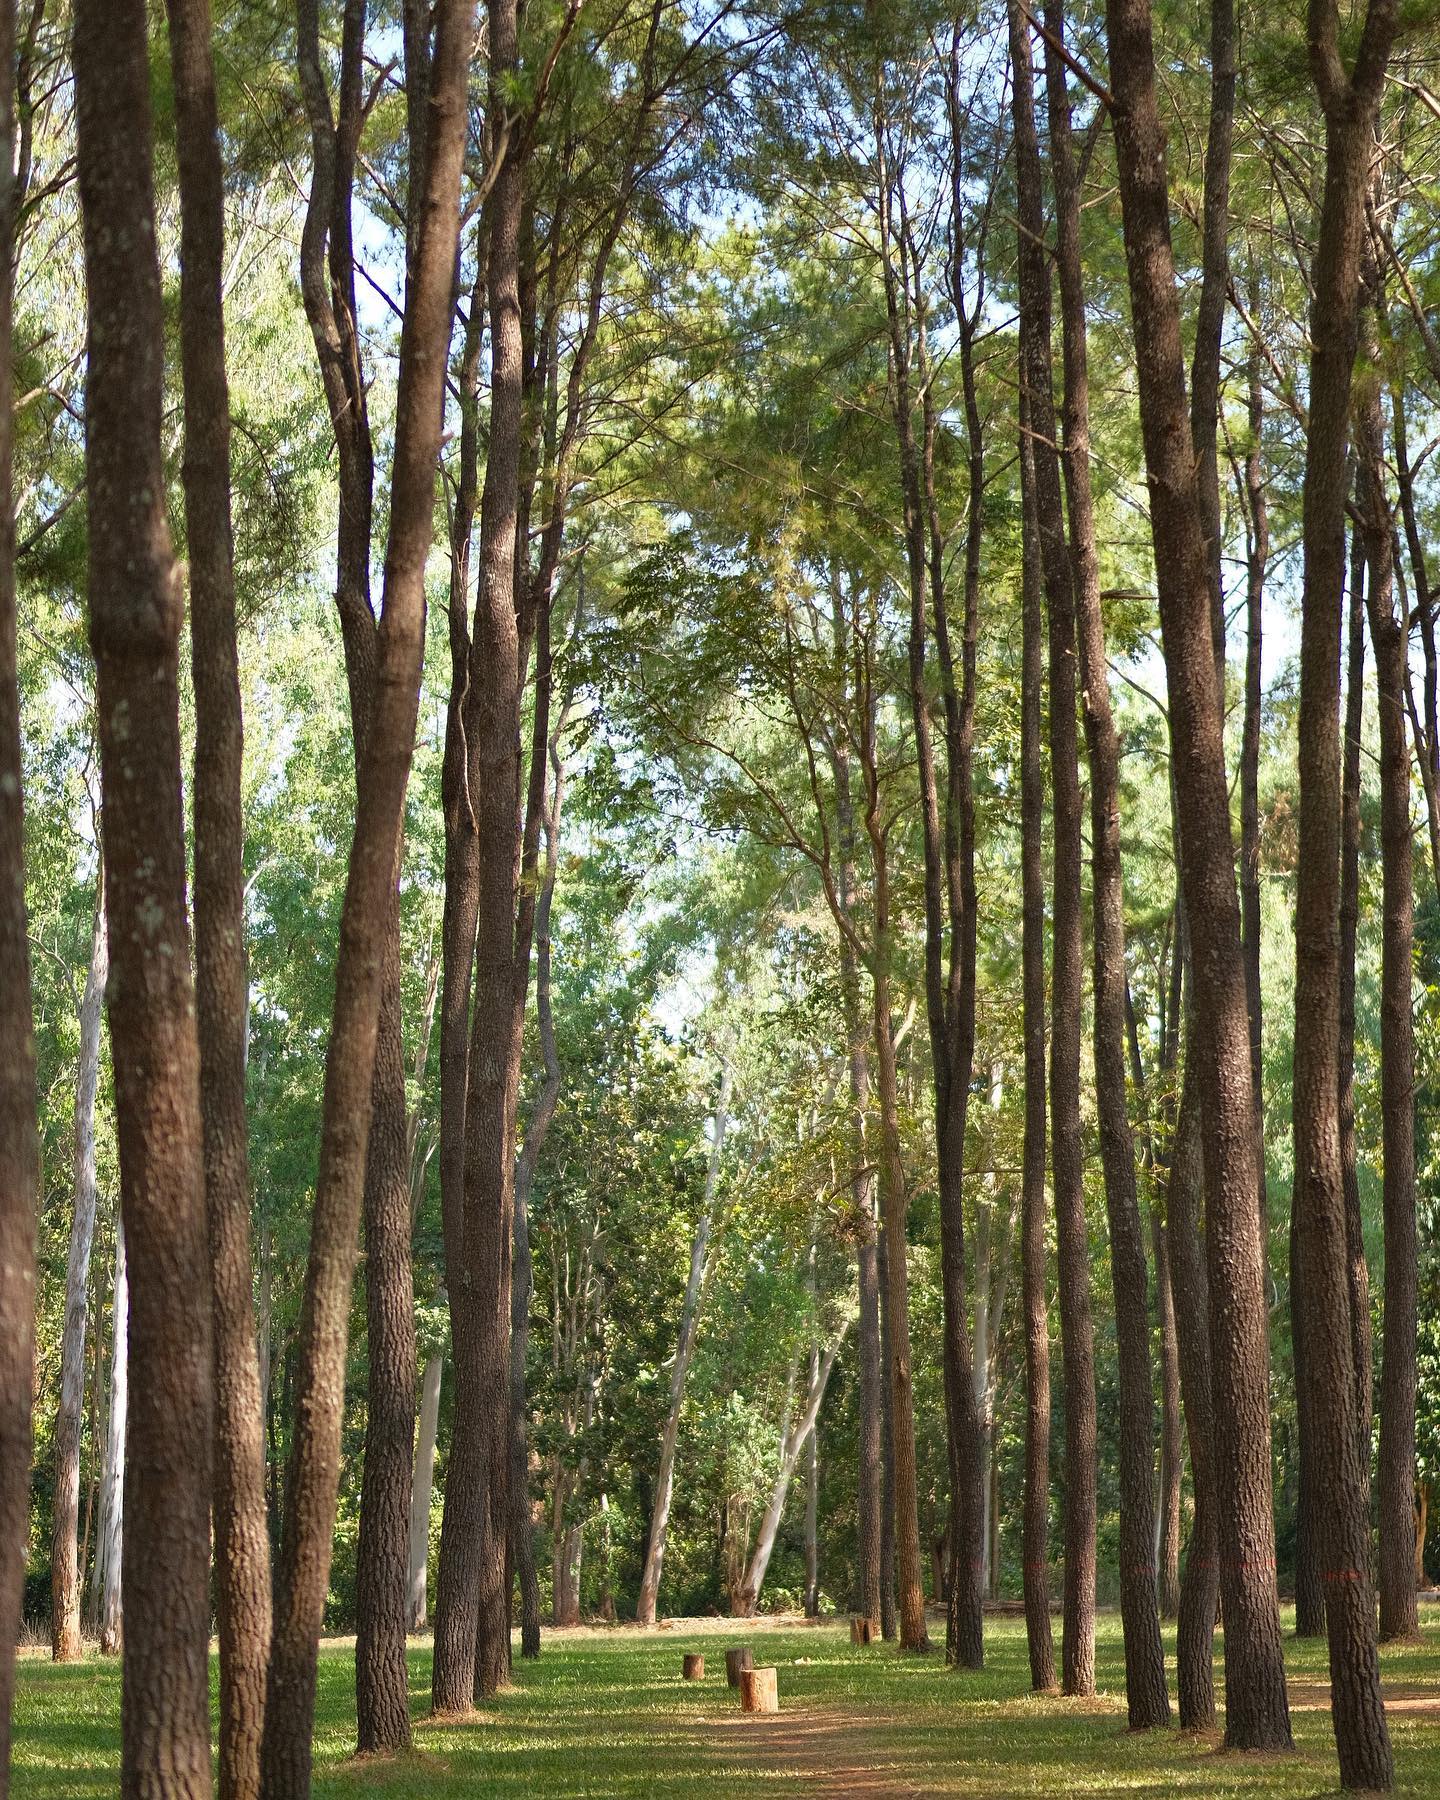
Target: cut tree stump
[[758, 1692], [694, 1667], [736, 1661], [864, 1631]]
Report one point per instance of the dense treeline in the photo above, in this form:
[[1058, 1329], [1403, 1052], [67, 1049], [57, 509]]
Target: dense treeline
[[865, 1040]]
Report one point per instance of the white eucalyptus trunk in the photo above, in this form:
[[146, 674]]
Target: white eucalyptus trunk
[[112, 1492], [422, 1489], [65, 1570]]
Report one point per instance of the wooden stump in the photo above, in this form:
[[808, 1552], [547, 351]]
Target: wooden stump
[[758, 1692], [863, 1631], [694, 1667], [736, 1661]]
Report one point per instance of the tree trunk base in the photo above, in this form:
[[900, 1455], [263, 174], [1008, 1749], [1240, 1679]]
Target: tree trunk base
[[758, 1691], [737, 1661]]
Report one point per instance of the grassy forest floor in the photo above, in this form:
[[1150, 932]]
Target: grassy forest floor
[[605, 1712]]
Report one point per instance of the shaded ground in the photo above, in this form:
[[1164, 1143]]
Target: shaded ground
[[606, 1713]]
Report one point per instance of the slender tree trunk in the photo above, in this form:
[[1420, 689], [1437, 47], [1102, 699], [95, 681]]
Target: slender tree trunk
[[1356, 1267], [1309, 1588], [19, 1137], [684, 1349], [1167, 1535], [1361, 1736], [1257, 518], [794, 1438], [1036, 1529], [812, 1504], [1200, 1589], [457, 1589], [136, 609], [1399, 1615], [1073, 1251], [1257, 1712], [422, 1489], [350, 1061], [66, 1569], [111, 1534], [550, 810], [911, 1593], [242, 1545], [869, 1508], [889, 1623], [1149, 1701], [472, 1628]]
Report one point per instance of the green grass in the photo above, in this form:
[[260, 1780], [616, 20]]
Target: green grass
[[606, 1713]]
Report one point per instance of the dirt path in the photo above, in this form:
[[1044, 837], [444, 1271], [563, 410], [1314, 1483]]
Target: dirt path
[[822, 1750]]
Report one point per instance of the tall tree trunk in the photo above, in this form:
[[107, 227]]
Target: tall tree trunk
[[871, 1421], [1257, 556], [1167, 1532], [1036, 1528], [1077, 1331], [110, 1538], [66, 1569], [381, 780], [1399, 1616], [1156, 1159], [242, 1545], [893, 1204], [680, 1369], [136, 609], [545, 804], [422, 1489], [1257, 1713], [812, 1505], [889, 1624], [1210, 314], [1200, 1589], [1149, 1701], [472, 1624], [382, 1683], [1310, 1501], [19, 1137], [1351, 831], [1349, 103], [457, 1589]]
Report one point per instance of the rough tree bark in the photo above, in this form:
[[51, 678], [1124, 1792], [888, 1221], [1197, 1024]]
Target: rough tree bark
[[136, 609], [19, 1140], [654, 1563], [1036, 1525], [65, 1569], [895, 1319], [350, 1061], [1399, 1615], [1146, 1693], [1073, 1251], [472, 1632], [458, 1575], [1257, 1714], [1349, 100], [242, 1544]]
